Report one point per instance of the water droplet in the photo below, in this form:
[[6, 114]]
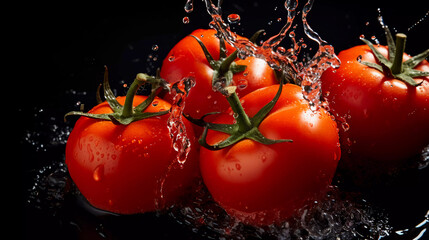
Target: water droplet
[[171, 58], [189, 6], [237, 166], [359, 58], [281, 50], [242, 84], [155, 103], [185, 20], [361, 36], [233, 18], [279, 19], [98, 173], [155, 47], [345, 126]]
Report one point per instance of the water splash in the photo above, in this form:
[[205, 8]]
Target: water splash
[[180, 141], [306, 72], [425, 17], [338, 216]]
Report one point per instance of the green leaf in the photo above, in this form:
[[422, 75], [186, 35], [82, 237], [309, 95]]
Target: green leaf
[[258, 137], [406, 78], [142, 106], [222, 52], [373, 65], [417, 73], [390, 43], [255, 36], [90, 115], [377, 54], [263, 112], [108, 94], [206, 52], [414, 61]]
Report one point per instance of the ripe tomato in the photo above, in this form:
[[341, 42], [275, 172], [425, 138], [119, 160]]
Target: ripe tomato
[[261, 184], [187, 58], [385, 120], [129, 168]]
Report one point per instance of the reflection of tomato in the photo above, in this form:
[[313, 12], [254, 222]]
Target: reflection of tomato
[[387, 120], [128, 168], [261, 183], [187, 59]]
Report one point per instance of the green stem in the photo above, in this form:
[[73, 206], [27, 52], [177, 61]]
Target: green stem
[[240, 115], [224, 67], [127, 110], [400, 48]]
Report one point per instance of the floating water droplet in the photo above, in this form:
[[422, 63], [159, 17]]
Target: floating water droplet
[[189, 6], [345, 126], [419, 21], [281, 50], [233, 18], [185, 20], [155, 47], [361, 36]]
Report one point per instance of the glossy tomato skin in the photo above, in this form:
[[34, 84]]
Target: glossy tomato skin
[[261, 184], [386, 120], [129, 169], [187, 59]]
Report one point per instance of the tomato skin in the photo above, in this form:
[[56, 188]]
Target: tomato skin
[[387, 118], [122, 168], [187, 58], [261, 184]]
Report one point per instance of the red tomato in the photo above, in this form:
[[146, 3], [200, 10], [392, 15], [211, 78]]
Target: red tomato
[[261, 184], [386, 118], [187, 59], [129, 168]]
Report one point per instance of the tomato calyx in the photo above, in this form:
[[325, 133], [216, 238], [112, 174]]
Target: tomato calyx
[[244, 126], [126, 114], [225, 67], [394, 66]]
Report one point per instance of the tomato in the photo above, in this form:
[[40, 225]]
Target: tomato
[[384, 119], [187, 58], [261, 184], [130, 168]]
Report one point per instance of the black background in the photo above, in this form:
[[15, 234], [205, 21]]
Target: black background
[[59, 48]]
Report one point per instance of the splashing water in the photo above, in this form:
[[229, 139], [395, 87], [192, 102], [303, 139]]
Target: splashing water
[[337, 216], [306, 73], [180, 142]]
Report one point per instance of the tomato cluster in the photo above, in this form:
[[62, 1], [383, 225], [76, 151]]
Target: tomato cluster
[[264, 152]]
